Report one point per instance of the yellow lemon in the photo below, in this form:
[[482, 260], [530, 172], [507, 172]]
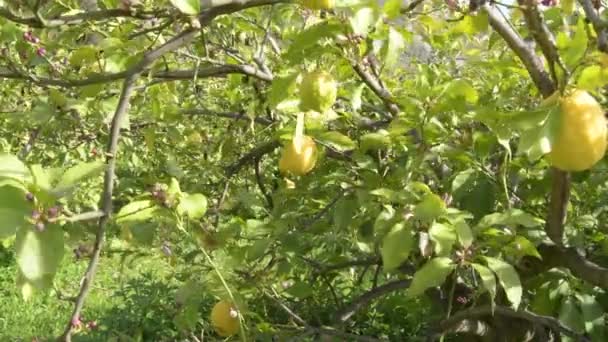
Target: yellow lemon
[[318, 91], [582, 137], [298, 161], [225, 319], [319, 4]]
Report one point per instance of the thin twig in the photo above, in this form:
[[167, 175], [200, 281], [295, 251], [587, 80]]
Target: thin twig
[[27, 148], [600, 25], [260, 181], [377, 88]]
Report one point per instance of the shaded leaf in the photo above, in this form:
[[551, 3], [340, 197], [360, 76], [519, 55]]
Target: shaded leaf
[[464, 233], [508, 278], [431, 274], [137, 211], [337, 141], [488, 279], [396, 246]]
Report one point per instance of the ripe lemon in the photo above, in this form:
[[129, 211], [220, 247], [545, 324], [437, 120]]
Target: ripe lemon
[[318, 91], [225, 319], [296, 161], [582, 137], [318, 4]]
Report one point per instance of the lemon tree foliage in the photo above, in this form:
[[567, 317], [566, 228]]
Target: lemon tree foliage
[[315, 169]]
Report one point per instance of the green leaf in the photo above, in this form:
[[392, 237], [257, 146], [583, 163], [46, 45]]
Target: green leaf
[[394, 47], [14, 209], [592, 77], [396, 246], [192, 205], [538, 141], [488, 279], [143, 232], [337, 141], [311, 36], [174, 190], [375, 141], [189, 7], [83, 56], [431, 207], [356, 97], [76, 175], [570, 315], [444, 238], [461, 88], [432, 274], [508, 278], [12, 167], [464, 233], [510, 218], [542, 303], [392, 8], [572, 50], [363, 20], [300, 290], [281, 88], [593, 316], [39, 253], [257, 249], [45, 178], [520, 246], [137, 211]]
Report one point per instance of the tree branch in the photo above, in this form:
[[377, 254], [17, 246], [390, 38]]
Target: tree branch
[[254, 154], [320, 330], [377, 88], [541, 34], [112, 149], [175, 75], [524, 51], [364, 300], [600, 26], [480, 311], [570, 258], [260, 181], [80, 18], [236, 116]]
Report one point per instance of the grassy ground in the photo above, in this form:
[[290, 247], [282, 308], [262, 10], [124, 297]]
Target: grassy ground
[[127, 298], [136, 297]]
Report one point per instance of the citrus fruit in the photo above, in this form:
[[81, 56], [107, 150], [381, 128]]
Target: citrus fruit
[[225, 318], [318, 4], [318, 91], [298, 160], [582, 136]]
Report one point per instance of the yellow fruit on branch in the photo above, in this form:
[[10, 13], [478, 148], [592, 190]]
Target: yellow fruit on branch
[[318, 91], [225, 318], [582, 135], [298, 160], [319, 4]]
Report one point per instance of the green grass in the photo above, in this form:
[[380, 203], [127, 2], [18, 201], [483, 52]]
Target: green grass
[[126, 297]]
